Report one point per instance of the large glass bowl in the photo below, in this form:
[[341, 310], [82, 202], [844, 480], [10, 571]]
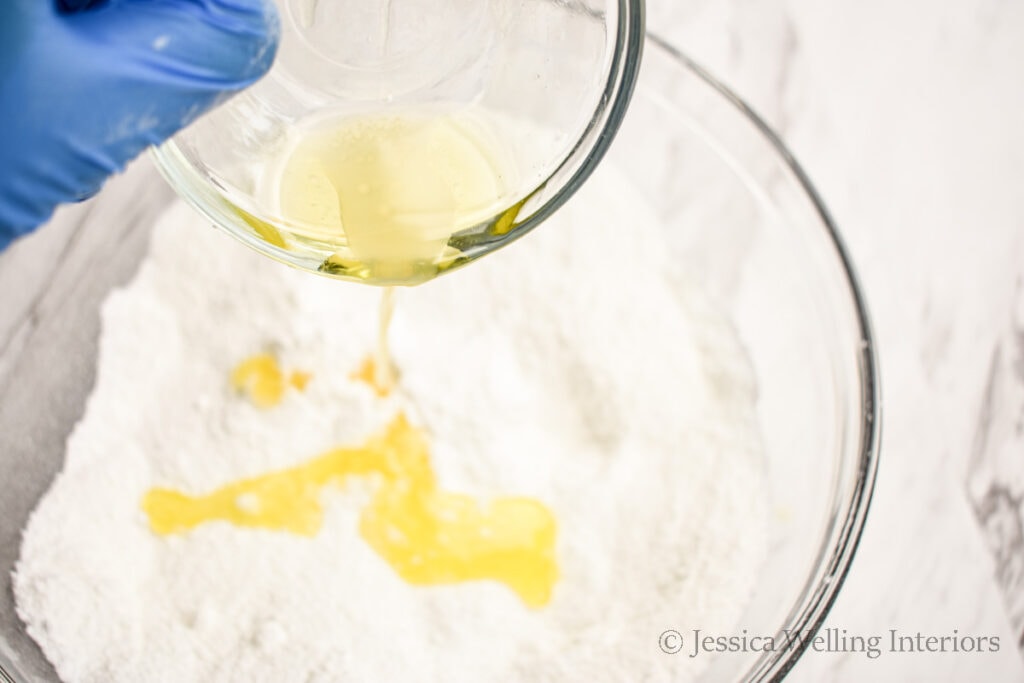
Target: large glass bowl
[[742, 219]]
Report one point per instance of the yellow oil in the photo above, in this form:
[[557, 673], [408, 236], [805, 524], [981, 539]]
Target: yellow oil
[[387, 193], [368, 374], [383, 367], [264, 382], [378, 370], [388, 196], [427, 535]]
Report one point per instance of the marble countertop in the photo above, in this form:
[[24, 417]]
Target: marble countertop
[[909, 117]]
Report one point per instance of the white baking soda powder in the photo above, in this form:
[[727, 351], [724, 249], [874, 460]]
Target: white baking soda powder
[[564, 368]]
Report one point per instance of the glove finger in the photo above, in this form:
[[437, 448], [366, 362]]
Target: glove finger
[[225, 44], [160, 64]]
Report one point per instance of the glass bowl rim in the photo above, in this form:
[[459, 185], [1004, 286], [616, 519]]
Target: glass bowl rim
[[813, 605], [840, 544]]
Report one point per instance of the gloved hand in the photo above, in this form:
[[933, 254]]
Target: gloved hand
[[86, 85]]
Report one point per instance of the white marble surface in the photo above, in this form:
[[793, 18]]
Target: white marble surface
[[909, 116]]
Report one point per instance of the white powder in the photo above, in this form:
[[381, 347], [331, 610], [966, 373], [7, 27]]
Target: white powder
[[564, 368]]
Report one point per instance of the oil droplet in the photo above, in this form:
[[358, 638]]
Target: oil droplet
[[299, 379], [261, 378], [367, 374], [428, 536]]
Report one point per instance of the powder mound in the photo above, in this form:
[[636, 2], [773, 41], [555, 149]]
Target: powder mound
[[564, 368]]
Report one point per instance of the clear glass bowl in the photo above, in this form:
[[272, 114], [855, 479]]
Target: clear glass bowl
[[541, 84], [742, 219]]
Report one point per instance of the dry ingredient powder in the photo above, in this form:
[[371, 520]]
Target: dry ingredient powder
[[564, 368]]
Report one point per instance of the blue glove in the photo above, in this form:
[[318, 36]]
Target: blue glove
[[86, 85]]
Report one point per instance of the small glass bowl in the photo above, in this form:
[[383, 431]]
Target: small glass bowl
[[561, 70]]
